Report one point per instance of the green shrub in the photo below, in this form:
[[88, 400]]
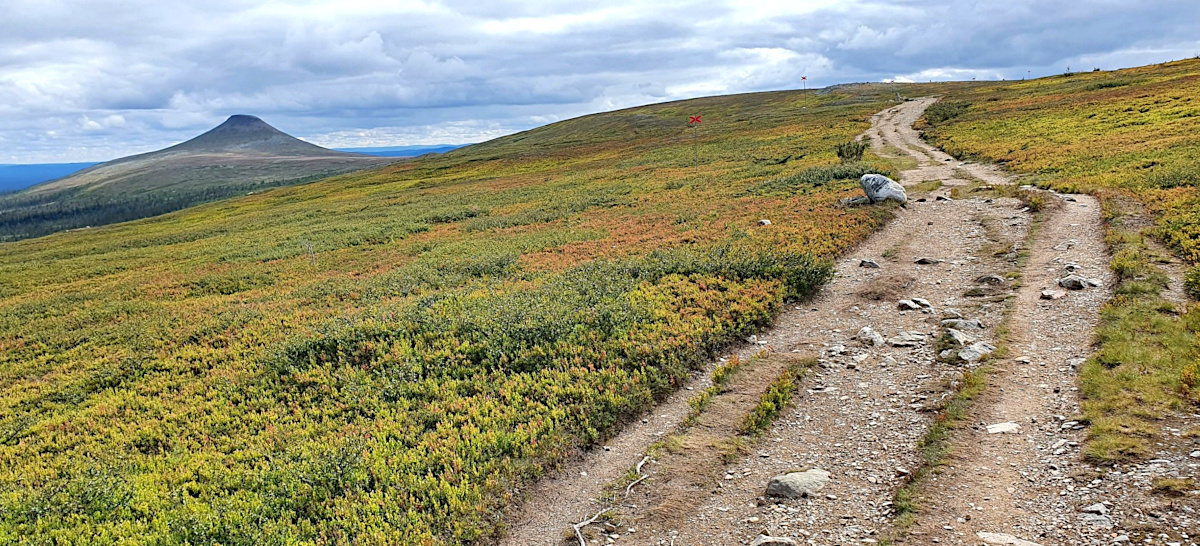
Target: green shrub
[[851, 151], [1192, 282], [942, 111], [817, 177]]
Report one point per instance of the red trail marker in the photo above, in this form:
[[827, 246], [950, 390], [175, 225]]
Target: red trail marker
[[695, 120]]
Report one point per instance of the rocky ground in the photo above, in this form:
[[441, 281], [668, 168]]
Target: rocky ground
[[880, 330]]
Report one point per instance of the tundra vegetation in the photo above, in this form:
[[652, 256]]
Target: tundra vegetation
[[1129, 137], [387, 356]]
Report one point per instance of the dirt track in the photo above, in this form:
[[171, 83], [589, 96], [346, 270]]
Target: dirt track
[[864, 410]]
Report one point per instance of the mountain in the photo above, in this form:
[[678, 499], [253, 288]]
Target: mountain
[[242, 154]]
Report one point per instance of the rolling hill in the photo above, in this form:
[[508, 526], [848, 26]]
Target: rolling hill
[[388, 356], [242, 154]]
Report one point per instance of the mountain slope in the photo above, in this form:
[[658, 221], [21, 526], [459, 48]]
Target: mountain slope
[[386, 356], [242, 154]]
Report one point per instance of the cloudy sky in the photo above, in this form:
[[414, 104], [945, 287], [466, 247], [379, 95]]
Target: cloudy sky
[[97, 79]]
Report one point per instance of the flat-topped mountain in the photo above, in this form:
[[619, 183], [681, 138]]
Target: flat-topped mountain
[[242, 154]]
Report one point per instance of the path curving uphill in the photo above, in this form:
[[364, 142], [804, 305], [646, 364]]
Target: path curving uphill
[[863, 411]]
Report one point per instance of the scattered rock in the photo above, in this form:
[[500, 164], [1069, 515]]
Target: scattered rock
[[881, 188], [976, 351], [764, 222], [962, 324], [943, 198], [990, 279], [1066, 245], [1001, 538], [797, 484], [1097, 520], [1098, 508], [907, 339], [1069, 199], [925, 260], [1004, 428], [870, 264], [922, 302], [1195, 455], [869, 337], [764, 540], [960, 339], [1051, 294], [907, 305], [1076, 282]]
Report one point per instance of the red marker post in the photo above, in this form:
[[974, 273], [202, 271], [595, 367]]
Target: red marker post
[[804, 82], [694, 123]]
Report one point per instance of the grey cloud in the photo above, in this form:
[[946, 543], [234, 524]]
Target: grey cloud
[[84, 80]]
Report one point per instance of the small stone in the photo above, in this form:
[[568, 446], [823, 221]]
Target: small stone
[[907, 339], [942, 198], [1097, 520], [869, 264], [976, 351], [1098, 508], [1003, 539], [907, 305], [1195, 454], [922, 302], [1004, 428], [962, 324], [764, 222], [1051, 294], [901, 471], [925, 260], [797, 484], [765, 540], [959, 338], [990, 279], [869, 336], [1076, 282]]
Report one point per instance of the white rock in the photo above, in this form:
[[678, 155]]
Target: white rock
[[797, 484], [869, 336], [922, 302], [1002, 428], [764, 222], [881, 188], [764, 540], [1001, 538], [959, 338], [907, 339], [962, 324], [907, 305], [1049, 294], [1076, 282], [976, 351]]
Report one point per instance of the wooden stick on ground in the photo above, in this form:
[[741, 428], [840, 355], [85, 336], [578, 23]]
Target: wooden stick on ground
[[585, 523]]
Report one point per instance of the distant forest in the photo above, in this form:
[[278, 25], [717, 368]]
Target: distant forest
[[24, 215]]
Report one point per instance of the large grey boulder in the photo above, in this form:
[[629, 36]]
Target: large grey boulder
[[794, 485], [881, 188]]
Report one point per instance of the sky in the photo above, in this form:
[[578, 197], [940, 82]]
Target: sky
[[92, 80]]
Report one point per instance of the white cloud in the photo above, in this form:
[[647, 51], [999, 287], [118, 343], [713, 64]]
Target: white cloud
[[358, 72]]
